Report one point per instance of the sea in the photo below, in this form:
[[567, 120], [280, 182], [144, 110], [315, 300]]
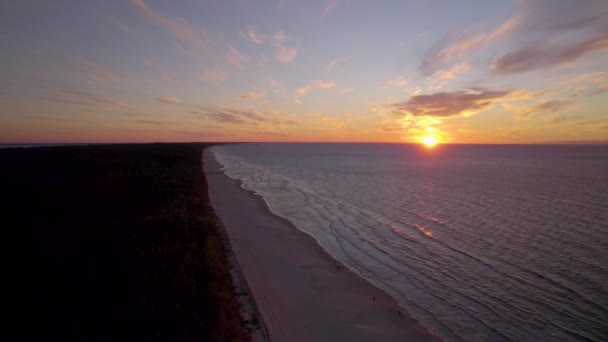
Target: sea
[[477, 242]]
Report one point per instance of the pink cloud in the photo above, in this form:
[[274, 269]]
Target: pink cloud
[[541, 34], [183, 31], [236, 58], [254, 36], [329, 6], [285, 54], [468, 44], [543, 54], [213, 76], [282, 53], [165, 75], [99, 74], [334, 63], [77, 97], [254, 94]]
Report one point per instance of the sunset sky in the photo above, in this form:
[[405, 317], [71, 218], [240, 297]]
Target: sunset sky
[[289, 70]]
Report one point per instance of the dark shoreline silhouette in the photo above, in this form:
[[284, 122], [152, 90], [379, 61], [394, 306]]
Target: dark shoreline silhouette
[[116, 241]]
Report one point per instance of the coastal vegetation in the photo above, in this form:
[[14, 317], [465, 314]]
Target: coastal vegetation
[[116, 242]]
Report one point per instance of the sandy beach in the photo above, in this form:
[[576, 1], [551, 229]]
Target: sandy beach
[[303, 294]]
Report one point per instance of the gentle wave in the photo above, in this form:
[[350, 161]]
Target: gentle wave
[[477, 242]]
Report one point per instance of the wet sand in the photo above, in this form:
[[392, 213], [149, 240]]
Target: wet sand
[[303, 294]]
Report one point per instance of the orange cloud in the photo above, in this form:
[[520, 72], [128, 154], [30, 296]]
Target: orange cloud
[[454, 71], [169, 100], [542, 107], [317, 84], [399, 81]]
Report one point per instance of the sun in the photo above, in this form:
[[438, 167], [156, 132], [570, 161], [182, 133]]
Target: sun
[[429, 140]]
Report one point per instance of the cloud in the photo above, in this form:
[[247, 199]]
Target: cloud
[[76, 97], [213, 75], [456, 103], [236, 58], [98, 74], [254, 94], [465, 45], [235, 116], [125, 28], [285, 54], [541, 34], [399, 81], [441, 77], [149, 122], [255, 37], [598, 91], [323, 84], [329, 6], [282, 53], [279, 37], [451, 73], [165, 75], [333, 64], [347, 90], [277, 86], [169, 100], [587, 84], [545, 106], [544, 54], [317, 84], [181, 29], [220, 116]]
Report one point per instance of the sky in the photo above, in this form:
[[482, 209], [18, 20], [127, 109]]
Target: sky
[[507, 71]]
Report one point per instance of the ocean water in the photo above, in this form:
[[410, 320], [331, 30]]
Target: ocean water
[[478, 242]]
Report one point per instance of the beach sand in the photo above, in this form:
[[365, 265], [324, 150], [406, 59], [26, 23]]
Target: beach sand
[[303, 294]]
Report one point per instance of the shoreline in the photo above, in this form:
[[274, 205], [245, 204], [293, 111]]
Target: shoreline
[[302, 292]]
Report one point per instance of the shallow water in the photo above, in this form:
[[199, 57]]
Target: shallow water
[[478, 242]]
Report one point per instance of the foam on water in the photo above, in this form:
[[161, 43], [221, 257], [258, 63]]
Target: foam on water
[[500, 243]]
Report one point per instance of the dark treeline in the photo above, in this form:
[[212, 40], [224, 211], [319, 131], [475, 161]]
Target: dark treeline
[[115, 242]]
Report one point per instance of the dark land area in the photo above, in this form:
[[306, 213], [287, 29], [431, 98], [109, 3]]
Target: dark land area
[[115, 242]]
